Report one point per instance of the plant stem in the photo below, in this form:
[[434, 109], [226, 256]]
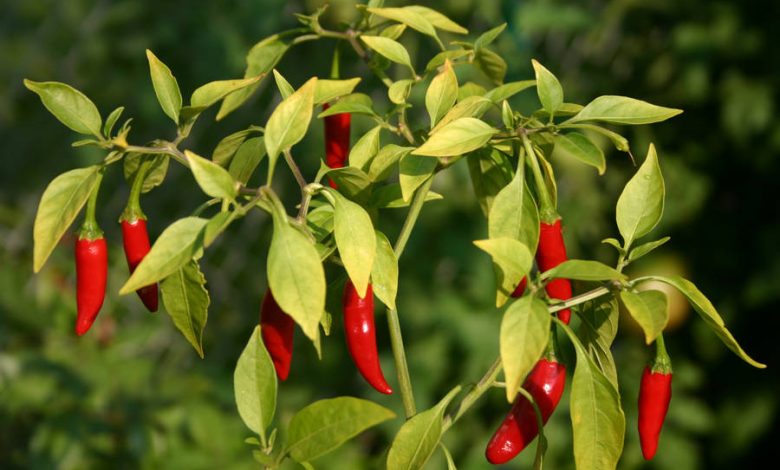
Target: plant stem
[[579, 299], [411, 218], [166, 150], [296, 171], [484, 384]]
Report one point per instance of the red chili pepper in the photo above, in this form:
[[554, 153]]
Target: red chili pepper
[[135, 239], [551, 253], [361, 336], [336, 140], [545, 383], [655, 393], [91, 274], [520, 289], [277, 329]]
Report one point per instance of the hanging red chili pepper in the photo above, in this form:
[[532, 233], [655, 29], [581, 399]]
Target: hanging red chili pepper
[[520, 289], [551, 253], [337, 128], [361, 336], [655, 393], [277, 329], [135, 239], [91, 274], [545, 383]]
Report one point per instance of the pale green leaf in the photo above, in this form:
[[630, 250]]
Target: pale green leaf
[[255, 386], [355, 240], [648, 309], [578, 146], [187, 301], [165, 87], [548, 88], [329, 90], [384, 160], [409, 17], [512, 261], [525, 331], [212, 178], [490, 172], [155, 173], [356, 103], [623, 110], [487, 38], [290, 121], [641, 204], [384, 272], [583, 270], [437, 19], [227, 147], [472, 106], [491, 64], [388, 48], [326, 424], [646, 248], [457, 138], [285, 89], [70, 106], [174, 247], [60, 204], [247, 158], [507, 90], [212, 92], [399, 91], [391, 197], [364, 149], [413, 172], [441, 94]]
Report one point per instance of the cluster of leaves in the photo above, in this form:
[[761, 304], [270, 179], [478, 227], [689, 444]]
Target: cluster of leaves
[[338, 226]]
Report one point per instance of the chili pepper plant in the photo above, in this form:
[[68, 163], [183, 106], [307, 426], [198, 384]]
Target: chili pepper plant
[[425, 120]]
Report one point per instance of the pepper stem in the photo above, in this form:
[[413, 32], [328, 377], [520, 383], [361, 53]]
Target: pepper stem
[[90, 230], [547, 212], [662, 363], [133, 210]]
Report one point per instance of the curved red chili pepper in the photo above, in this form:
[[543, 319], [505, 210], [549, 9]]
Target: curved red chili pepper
[[655, 393], [545, 383], [520, 289], [361, 336], [337, 129], [551, 253], [135, 239], [91, 274], [277, 329]]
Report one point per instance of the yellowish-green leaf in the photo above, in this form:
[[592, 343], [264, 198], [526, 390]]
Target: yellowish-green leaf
[[212, 178], [187, 301], [525, 331], [457, 138], [648, 309], [442, 93], [255, 385], [70, 106]]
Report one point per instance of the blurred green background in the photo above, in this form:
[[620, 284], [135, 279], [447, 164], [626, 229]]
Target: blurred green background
[[133, 394]]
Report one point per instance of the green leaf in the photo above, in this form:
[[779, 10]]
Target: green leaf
[[295, 276], [512, 261], [390, 197], [470, 89], [212, 178], [70, 106], [598, 422], [598, 328], [329, 90], [492, 65], [255, 386], [355, 239], [457, 138], [648, 309], [261, 59], [711, 317], [514, 214], [448, 457], [437, 19], [418, 438], [507, 115], [165, 87], [548, 88], [285, 89], [351, 182], [60, 204], [507, 90], [614, 242], [393, 31], [111, 120], [441, 94], [646, 248], [388, 48], [187, 301], [490, 172], [487, 38], [472, 106], [578, 146], [623, 110], [246, 160], [356, 103], [413, 172], [641, 204], [439, 59], [217, 224], [212, 92], [326, 424], [384, 272], [364, 149], [227, 147], [290, 121], [382, 163], [320, 221], [399, 91], [408, 17], [583, 270], [173, 249], [155, 174], [620, 142], [525, 331]]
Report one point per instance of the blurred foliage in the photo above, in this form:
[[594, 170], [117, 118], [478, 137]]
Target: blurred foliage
[[132, 394]]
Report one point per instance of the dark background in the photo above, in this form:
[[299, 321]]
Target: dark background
[[133, 394]]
